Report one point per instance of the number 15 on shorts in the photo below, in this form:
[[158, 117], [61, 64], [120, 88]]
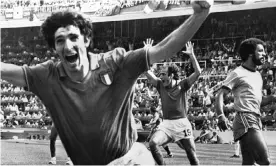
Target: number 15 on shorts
[[187, 132]]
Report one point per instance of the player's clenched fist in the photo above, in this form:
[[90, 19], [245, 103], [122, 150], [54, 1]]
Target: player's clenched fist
[[201, 5]]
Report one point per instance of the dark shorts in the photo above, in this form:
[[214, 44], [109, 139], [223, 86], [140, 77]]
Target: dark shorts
[[244, 121]]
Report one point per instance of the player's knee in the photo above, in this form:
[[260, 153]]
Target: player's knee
[[153, 143]]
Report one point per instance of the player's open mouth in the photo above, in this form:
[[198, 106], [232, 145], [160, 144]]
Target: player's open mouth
[[72, 58]]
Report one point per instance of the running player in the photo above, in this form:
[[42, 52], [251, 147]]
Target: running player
[[89, 96], [246, 85], [173, 92]]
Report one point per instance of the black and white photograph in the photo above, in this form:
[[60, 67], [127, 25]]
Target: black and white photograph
[[138, 82]]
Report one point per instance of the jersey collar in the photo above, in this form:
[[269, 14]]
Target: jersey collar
[[93, 61], [252, 70]]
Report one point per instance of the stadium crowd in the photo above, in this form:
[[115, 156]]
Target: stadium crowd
[[215, 49]]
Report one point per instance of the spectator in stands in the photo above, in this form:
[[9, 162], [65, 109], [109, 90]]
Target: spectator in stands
[[15, 107], [25, 99], [215, 139], [9, 107], [137, 115], [201, 113], [28, 115], [135, 104], [35, 107], [209, 113], [70, 35], [2, 119], [206, 99], [28, 107], [4, 98], [206, 132]]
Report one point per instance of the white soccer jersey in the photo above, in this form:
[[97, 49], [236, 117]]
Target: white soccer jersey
[[246, 87]]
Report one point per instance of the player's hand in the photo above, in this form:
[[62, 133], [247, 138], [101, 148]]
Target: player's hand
[[148, 43], [200, 6], [223, 123], [189, 48]]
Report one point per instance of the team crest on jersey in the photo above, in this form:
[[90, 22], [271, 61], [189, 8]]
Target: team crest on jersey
[[173, 93], [106, 77]]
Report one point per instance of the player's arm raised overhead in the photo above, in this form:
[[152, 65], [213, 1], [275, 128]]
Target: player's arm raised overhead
[[152, 79], [190, 51], [174, 42], [13, 74], [149, 74]]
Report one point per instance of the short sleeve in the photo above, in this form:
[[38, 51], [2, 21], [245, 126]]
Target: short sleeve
[[133, 62], [230, 81], [37, 76], [185, 84]]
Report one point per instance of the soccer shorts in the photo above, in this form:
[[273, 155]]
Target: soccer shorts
[[177, 129], [243, 121], [137, 155]]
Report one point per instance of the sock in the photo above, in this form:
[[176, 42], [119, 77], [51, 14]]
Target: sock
[[237, 148], [166, 147]]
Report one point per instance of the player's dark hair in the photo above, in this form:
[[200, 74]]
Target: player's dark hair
[[63, 19], [248, 47], [173, 69]]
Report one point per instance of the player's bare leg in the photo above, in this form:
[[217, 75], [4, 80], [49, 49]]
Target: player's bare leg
[[189, 146], [158, 138], [254, 148]]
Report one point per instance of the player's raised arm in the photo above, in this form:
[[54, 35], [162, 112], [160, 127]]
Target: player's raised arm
[[152, 79], [149, 74], [179, 37], [13, 74], [195, 75]]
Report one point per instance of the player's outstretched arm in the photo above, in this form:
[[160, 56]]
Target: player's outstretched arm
[[176, 40], [13, 74]]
